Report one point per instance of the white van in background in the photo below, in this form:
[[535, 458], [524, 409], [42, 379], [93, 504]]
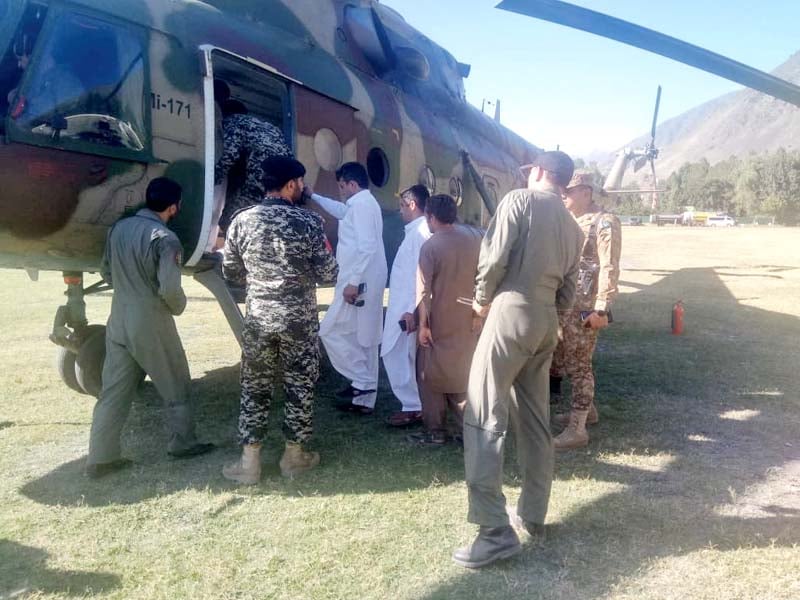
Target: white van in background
[[720, 221]]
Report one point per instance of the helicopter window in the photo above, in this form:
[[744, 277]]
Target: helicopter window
[[327, 149], [413, 62], [88, 86], [17, 57], [456, 190], [427, 178], [378, 167]]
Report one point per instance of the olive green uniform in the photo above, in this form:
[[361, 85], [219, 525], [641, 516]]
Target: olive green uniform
[[143, 262], [528, 267]]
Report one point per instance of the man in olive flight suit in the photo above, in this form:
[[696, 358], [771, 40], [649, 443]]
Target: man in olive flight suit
[[598, 278], [528, 267], [143, 261]]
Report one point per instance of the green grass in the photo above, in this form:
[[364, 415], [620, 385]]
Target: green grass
[[690, 487]]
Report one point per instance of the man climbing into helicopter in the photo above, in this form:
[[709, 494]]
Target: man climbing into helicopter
[[248, 138]]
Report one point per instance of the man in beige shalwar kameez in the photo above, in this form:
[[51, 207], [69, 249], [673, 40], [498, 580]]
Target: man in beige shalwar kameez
[[447, 332]]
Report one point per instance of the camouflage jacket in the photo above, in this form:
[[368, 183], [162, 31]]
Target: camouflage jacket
[[249, 138], [598, 276], [279, 251]]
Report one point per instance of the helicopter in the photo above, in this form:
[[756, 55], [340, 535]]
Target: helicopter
[[590, 21], [98, 98]]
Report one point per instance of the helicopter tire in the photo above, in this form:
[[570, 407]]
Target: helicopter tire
[[89, 361], [65, 365]]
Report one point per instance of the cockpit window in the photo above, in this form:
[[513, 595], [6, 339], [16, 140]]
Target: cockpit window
[[18, 53], [88, 86]]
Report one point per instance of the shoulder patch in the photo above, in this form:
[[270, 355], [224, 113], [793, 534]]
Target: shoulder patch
[[158, 234], [606, 223]]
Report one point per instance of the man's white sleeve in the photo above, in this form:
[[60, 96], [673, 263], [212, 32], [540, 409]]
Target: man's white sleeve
[[336, 209]]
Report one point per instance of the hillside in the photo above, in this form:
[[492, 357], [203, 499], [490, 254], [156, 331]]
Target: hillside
[[738, 123]]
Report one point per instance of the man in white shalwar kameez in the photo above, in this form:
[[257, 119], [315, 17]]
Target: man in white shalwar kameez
[[352, 327], [399, 346]]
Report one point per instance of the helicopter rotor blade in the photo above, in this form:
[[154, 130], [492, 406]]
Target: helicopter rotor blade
[[655, 118], [591, 21], [654, 204]]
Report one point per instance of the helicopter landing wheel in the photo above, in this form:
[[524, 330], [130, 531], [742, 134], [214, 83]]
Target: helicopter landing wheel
[[89, 360], [65, 365]]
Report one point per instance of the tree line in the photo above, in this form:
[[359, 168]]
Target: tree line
[[764, 185]]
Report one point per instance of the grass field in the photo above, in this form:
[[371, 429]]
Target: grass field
[[690, 487]]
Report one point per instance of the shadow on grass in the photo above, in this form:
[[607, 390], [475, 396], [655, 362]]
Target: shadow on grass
[[24, 573], [714, 403], [360, 455]]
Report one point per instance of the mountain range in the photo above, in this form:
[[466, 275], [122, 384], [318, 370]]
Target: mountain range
[[736, 124]]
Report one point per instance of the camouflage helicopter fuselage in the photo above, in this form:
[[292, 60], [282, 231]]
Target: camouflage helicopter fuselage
[[354, 69]]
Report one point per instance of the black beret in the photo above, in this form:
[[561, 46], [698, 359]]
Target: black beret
[[280, 170]]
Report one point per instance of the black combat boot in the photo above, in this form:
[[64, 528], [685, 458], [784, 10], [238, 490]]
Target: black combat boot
[[491, 545]]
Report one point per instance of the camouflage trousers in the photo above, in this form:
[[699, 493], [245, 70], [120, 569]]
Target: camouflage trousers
[[573, 357], [264, 357]]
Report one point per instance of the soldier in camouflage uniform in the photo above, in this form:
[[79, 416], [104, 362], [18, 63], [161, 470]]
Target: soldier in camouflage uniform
[[278, 249], [597, 288], [246, 136]]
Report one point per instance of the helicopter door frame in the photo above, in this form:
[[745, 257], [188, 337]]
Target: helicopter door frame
[[209, 138]]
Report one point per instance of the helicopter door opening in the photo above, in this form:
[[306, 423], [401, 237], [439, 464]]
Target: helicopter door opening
[[265, 96]]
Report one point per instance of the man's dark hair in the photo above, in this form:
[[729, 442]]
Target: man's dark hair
[[353, 171], [162, 193], [233, 107], [443, 207], [280, 170], [420, 193]]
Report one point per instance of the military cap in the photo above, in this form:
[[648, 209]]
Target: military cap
[[588, 179], [556, 162], [280, 170]]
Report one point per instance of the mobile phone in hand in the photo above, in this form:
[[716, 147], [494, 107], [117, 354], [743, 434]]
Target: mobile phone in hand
[[362, 287]]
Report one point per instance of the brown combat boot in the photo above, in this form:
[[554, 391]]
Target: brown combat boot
[[574, 436], [562, 419], [247, 470], [295, 460]]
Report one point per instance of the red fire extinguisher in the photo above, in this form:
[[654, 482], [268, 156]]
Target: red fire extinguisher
[[677, 318]]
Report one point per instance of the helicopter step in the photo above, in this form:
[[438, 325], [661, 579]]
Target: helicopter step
[[210, 277]]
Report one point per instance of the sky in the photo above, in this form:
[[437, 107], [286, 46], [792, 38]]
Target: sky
[[584, 93]]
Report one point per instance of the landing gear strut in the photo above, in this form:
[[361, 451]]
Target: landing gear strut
[[81, 347]]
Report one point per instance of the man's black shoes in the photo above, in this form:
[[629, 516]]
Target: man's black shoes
[[98, 470], [347, 396], [352, 392], [491, 545], [355, 409], [192, 451]]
